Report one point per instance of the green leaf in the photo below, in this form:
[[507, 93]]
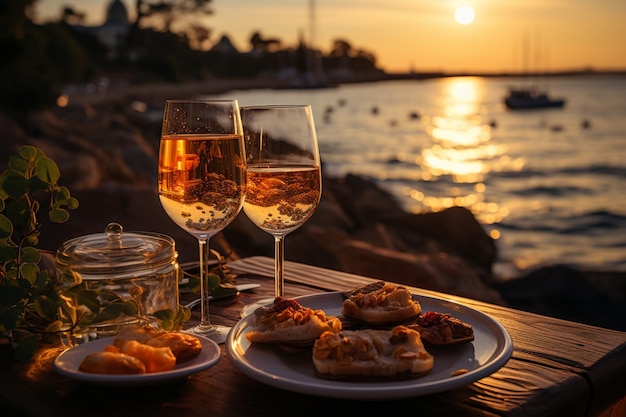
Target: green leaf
[[30, 153], [6, 228], [111, 311], [42, 279], [214, 281], [46, 307], [130, 308], [72, 203], [30, 254], [109, 296], [58, 215], [175, 321], [18, 164], [54, 326], [48, 171], [62, 194], [194, 284], [14, 185], [18, 212], [68, 310], [88, 298], [166, 314], [62, 197], [29, 271], [36, 183], [33, 239]]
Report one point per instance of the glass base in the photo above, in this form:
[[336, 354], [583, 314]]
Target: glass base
[[215, 332], [249, 308]]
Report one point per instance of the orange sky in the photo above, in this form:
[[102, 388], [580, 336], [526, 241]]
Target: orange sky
[[422, 34]]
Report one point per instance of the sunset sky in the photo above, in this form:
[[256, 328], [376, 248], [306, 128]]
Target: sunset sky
[[423, 34]]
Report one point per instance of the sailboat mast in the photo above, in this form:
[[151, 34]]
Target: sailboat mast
[[525, 54], [314, 65], [312, 24]]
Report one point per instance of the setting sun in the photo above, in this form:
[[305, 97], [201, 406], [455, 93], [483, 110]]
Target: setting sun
[[464, 15]]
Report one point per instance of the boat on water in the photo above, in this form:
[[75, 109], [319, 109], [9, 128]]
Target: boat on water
[[528, 96], [531, 98]]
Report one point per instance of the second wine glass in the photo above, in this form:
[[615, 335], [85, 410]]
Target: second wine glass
[[202, 179], [283, 177]]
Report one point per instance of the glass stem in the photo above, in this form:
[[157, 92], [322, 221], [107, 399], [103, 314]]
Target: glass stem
[[279, 265], [204, 284]]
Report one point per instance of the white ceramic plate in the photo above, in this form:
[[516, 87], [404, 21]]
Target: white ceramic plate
[[67, 364], [490, 350]]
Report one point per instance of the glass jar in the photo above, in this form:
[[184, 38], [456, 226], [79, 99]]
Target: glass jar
[[115, 278]]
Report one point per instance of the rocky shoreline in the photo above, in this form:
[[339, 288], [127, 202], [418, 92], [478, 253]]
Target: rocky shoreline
[[106, 149]]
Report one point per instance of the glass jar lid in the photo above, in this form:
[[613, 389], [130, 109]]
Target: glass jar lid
[[115, 253]]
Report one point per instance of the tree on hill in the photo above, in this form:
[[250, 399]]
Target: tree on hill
[[181, 17], [37, 59]]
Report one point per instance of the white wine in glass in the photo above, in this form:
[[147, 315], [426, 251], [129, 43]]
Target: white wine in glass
[[284, 179], [202, 179]]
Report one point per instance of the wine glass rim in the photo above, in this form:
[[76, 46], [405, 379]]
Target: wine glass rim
[[202, 100], [274, 106]]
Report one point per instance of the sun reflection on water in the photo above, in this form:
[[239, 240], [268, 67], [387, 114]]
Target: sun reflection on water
[[461, 150]]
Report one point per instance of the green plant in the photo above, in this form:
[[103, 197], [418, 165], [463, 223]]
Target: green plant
[[29, 303], [220, 278], [35, 306]]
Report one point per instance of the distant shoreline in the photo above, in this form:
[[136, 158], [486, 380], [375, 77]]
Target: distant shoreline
[[157, 92], [563, 73]]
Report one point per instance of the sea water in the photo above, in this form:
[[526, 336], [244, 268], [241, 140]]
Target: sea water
[[549, 185]]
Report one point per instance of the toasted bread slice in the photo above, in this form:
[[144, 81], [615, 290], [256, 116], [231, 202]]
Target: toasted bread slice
[[384, 303], [378, 354], [289, 323]]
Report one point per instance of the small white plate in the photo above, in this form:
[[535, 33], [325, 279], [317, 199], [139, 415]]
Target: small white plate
[[67, 364], [490, 350]]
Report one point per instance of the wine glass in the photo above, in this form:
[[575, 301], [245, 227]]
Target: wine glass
[[202, 179], [283, 177]]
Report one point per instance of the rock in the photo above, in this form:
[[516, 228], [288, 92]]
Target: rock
[[438, 271], [456, 231], [564, 292], [362, 200], [380, 220]]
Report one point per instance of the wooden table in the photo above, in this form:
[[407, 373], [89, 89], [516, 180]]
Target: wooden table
[[558, 368]]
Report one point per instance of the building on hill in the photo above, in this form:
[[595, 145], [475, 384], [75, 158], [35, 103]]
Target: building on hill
[[113, 31], [224, 46]]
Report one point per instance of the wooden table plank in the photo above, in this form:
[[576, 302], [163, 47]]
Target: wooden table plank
[[558, 368]]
